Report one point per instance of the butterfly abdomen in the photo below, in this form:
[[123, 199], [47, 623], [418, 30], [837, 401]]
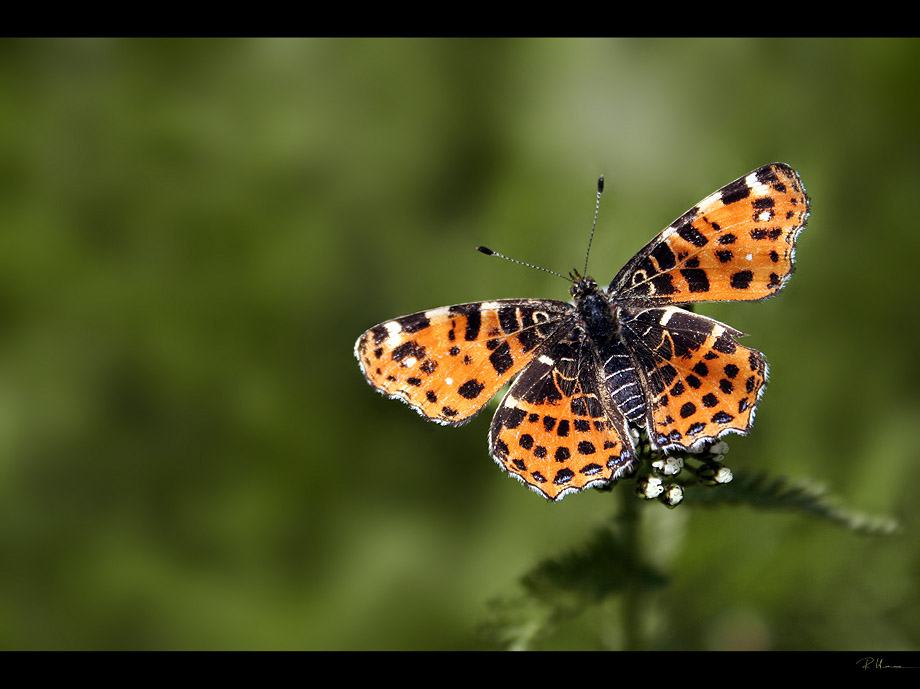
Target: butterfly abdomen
[[599, 318], [623, 381]]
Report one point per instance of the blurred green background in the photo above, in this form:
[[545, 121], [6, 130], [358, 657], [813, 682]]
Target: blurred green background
[[193, 233]]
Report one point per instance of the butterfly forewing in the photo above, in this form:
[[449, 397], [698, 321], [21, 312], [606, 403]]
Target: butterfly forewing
[[448, 362], [737, 244]]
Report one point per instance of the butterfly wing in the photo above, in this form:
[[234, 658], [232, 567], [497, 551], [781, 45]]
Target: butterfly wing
[[699, 382], [556, 429], [448, 362], [737, 244]]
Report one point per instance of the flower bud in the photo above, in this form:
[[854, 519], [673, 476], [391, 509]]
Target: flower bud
[[714, 473], [672, 495], [649, 487], [668, 465]]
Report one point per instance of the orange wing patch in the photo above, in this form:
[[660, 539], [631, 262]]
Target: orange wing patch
[[556, 431], [447, 363], [701, 383], [738, 244]]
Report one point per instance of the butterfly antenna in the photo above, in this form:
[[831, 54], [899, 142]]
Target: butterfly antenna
[[597, 207], [488, 252]]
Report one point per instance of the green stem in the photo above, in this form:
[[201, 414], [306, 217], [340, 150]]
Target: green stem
[[629, 518]]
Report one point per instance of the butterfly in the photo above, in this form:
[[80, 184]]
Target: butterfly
[[587, 374]]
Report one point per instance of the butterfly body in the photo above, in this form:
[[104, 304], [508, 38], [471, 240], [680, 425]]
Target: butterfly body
[[589, 373]]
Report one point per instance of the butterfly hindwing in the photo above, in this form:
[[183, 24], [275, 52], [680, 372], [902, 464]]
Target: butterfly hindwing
[[700, 383], [448, 362], [556, 429], [737, 244]]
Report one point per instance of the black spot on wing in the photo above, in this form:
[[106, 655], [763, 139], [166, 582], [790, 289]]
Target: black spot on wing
[[586, 447], [697, 280], [407, 350], [414, 323], [471, 389], [507, 318], [664, 257], [501, 358], [473, 319], [663, 284], [689, 233], [380, 333], [512, 418], [742, 279], [735, 191], [563, 476], [724, 344], [766, 175]]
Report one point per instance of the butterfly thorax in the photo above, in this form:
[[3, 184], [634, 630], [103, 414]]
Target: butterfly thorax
[[593, 309]]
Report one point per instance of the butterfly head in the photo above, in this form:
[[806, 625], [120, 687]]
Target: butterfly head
[[593, 308], [581, 286]]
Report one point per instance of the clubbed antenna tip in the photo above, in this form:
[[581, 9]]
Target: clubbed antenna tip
[[600, 189], [597, 207], [488, 252]]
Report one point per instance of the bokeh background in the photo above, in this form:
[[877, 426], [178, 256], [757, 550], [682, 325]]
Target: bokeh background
[[193, 233]]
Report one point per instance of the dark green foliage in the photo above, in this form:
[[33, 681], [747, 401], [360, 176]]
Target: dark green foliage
[[563, 587], [610, 565], [761, 491]]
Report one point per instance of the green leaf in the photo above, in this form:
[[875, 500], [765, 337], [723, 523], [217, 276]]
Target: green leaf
[[761, 491], [562, 587]]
